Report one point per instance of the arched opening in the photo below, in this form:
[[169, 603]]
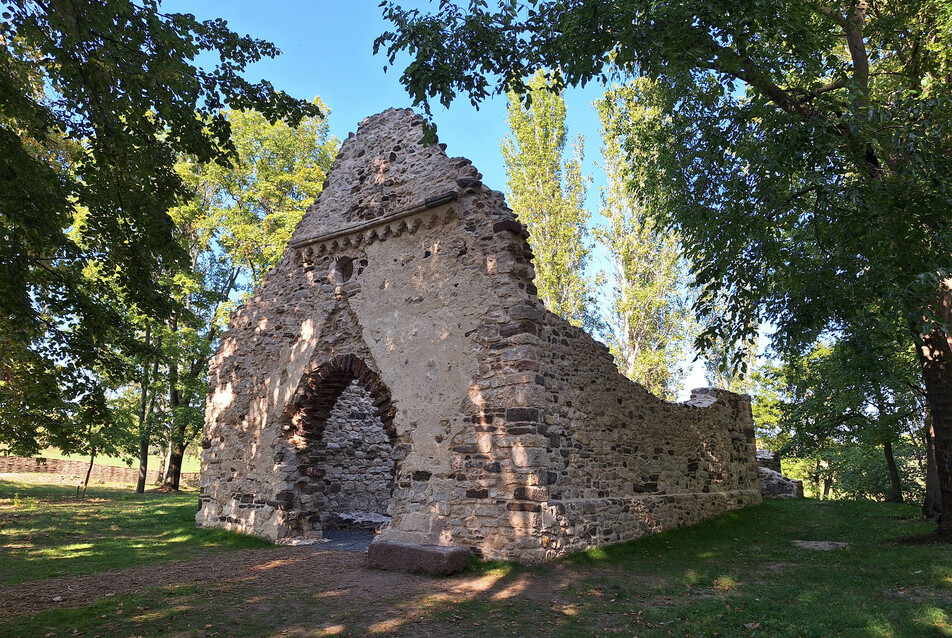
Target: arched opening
[[343, 435]]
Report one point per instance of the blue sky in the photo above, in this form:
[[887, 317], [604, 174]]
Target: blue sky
[[327, 50]]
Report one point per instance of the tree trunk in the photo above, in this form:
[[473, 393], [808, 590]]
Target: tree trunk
[[935, 359], [145, 416], [933, 503], [145, 433], [895, 486], [173, 472], [89, 471], [827, 486], [164, 456]]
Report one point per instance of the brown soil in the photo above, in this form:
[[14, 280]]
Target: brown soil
[[264, 564], [321, 572], [938, 537]]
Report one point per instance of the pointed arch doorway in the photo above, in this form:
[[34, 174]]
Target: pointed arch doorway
[[343, 435]]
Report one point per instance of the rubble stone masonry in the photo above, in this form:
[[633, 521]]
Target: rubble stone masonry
[[398, 363]]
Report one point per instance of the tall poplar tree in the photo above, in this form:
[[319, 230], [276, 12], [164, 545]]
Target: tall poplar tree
[[547, 192], [649, 324]]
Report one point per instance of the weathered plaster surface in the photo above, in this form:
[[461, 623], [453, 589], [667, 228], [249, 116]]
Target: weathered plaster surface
[[510, 431]]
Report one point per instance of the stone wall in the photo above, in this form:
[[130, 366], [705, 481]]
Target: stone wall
[[510, 431], [776, 485], [77, 469], [770, 460], [359, 463]]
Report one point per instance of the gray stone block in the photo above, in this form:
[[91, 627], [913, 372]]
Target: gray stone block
[[775, 485], [432, 560]]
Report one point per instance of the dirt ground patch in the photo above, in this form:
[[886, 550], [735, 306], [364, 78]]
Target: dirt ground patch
[[321, 571]]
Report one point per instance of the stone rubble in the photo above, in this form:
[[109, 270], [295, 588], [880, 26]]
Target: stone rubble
[[776, 485]]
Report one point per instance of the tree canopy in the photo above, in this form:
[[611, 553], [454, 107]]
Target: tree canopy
[[97, 99], [235, 227], [800, 149]]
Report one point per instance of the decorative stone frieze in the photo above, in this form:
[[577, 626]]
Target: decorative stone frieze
[[397, 364]]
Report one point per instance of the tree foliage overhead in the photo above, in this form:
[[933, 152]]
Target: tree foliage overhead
[[771, 121], [547, 193], [97, 98], [801, 148], [255, 204]]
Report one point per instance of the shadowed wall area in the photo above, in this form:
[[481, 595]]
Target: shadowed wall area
[[398, 363]]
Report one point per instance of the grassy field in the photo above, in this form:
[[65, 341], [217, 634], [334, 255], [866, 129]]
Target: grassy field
[[46, 532], [739, 575], [191, 462]]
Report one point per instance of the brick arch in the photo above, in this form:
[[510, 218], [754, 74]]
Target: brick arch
[[324, 386]]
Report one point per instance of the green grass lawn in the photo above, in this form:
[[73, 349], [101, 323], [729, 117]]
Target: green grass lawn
[[45, 531], [738, 575], [191, 462]]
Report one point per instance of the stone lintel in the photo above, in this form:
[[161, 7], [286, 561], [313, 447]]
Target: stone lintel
[[432, 560]]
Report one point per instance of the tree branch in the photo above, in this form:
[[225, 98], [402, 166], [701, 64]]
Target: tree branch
[[857, 48], [742, 67], [830, 13]]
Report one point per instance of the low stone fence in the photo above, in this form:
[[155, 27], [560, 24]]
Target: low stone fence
[[100, 473]]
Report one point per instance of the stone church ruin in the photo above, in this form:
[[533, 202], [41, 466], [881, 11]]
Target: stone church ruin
[[396, 371]]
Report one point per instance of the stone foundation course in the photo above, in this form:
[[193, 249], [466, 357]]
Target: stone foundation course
[[397, 367]]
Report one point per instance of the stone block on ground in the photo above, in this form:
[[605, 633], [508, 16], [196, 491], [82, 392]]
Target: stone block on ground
[[431, 560]]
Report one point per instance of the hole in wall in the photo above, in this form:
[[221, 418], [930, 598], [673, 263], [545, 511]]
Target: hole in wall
[[342, 269], [359, 464]]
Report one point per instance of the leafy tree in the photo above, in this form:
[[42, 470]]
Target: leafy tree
[[234, 229], [730, 365], [719, 370], [844, 401], [801, 149], [547, 193], [97, 99], [860, 472], [649, 324]]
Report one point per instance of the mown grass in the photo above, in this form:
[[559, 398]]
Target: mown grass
[[737, 575], [191, 462], [741, 575], [45, 531]]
